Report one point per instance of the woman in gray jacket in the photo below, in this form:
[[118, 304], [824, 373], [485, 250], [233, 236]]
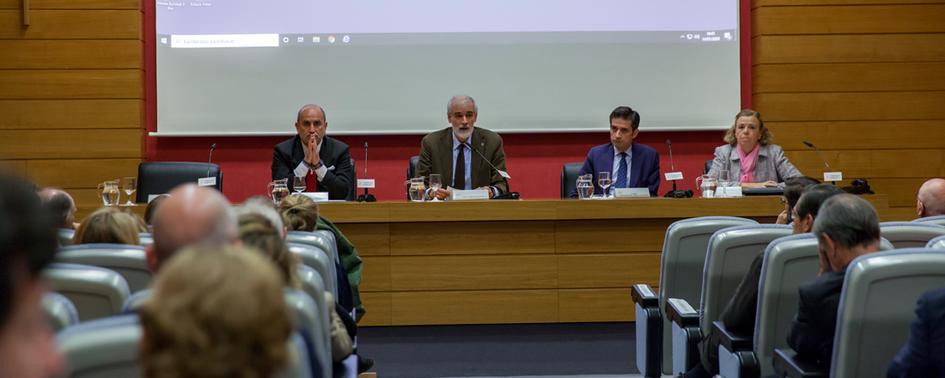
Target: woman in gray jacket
[[749, 156]]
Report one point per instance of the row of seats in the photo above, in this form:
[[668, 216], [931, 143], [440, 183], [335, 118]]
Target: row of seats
[[703, 261]]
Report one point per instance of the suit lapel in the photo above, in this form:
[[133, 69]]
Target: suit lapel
[[446, 160], [476, 162], [297, 154], [635, 164]]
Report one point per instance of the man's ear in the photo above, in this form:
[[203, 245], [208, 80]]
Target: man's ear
[[150, 256], [830, 249], [919, 208], [808, 223]]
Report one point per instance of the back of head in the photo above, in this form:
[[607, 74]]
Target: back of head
[[300, 213], [931, 198], [152, 207], [257, 231], [215, 312], [813, 198], [794, 187], [60, 205], [192, 215], [848, 220], [107, 225]]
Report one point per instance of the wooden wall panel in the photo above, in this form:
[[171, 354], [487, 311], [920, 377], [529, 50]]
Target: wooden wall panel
[[72, 24], [473, 272], [765, 3], [70, 144], [72, 4], [70, 54], [458, 238], [854, 135], [80, 173], [871, 19], [873, 163], [371, 239], [595, 305], [70, 84], [828, 48], [14, 166], [71, 114], [608, 270], [610, 236], [474, 307], [851, 106], [849, 77], [376, 274], [378, 307]]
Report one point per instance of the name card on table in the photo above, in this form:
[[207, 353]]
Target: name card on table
[[833, 176], [728, 191], [465, 195], [631, 192], [317, 196], [366, 183], [207, 181]]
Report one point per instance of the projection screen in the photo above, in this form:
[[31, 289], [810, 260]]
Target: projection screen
[[245, 67]]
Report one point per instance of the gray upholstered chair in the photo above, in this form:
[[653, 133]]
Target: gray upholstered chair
[[937, 243], [102, 348], [127, 260], [910, 234], [311, 318], [319, 238], [60, 311], [317, 259], [64, 235], [935, 219], [96, 292]]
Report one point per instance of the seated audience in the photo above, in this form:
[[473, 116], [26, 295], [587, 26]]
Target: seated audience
[[152, 208], [192, 215], [923, 355], [930, 200], [61, 205], [793, 188], [749, 156], [215, 312], [739, 313], [27, 246], [631, 165], [107, 225], [847, 227]]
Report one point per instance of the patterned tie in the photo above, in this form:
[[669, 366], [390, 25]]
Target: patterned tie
[[622, 172], [459, 177]]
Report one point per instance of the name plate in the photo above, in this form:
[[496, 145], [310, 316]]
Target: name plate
[[728, 191], [673, 176], [207, 181], [631, 192], [466, 195], [316, 196], [833, 176], [366, 183]]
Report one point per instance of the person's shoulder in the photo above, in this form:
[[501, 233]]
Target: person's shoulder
[[644, 148], [335, 143], [934, 299], [824, 285], [772, 148], [599, 149], [437, 134], [486, 133], [724, 149]]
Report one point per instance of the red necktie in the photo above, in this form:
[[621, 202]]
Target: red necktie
[[311, 181]]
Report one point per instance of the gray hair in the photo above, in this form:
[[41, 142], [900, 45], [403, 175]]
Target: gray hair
[[298, 117], [460, 98], [848, 220], [262, 206]]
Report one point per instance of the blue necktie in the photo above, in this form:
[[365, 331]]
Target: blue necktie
[[622, 172]]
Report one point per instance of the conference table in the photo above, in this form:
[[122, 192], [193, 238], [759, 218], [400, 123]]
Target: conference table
[[526, 261]]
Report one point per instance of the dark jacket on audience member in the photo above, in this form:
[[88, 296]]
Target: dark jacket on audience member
[[815, 324], [351, 263], [923, 355], [738, 315]]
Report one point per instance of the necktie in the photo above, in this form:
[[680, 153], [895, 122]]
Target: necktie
[[622, 172], [459, 176], [311, 181]]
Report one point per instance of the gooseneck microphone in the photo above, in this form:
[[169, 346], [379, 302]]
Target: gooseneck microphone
[[672, 164], [505, 175], [821, 156], [213, 146]]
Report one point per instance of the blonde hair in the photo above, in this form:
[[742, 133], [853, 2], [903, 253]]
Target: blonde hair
[[215, 312], [257, 231], [107, 225], [766, 136], [299, 212]]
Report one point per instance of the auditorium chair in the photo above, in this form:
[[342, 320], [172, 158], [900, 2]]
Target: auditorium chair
[[310, 281], [730, 253], [317, 259], [877, 306], [96, 292], [64, 235], [161, 176], [59, 311], [935, 219], [134, 301], [937, 243], [412, 166], [311, 319], [681, 265], [145, 239], [789, 261], [322, 239], [910, 234], [569, 175], [127, 260]]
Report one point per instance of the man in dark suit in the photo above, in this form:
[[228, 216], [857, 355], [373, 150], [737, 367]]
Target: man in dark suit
[[847, 227], [631, 165], [323, 160], [457, 152], [923, 355]]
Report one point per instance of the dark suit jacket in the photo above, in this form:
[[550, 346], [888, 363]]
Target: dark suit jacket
[[815, 324], [923, 355], [644, 167], [436, 156], [338, 181]]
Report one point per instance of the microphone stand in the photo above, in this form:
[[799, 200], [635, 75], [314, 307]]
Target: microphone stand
[[366, 197], [505, 175], [675, 193]]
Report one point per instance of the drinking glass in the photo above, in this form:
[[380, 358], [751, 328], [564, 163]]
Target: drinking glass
[[585, 186], [725, 181], [130, 185], [279, 190], [603, 179], [436, 182], [109, 192], [298, 183]]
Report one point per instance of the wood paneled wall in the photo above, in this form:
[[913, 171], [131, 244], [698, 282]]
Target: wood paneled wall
[[864, 80], [71, 92]]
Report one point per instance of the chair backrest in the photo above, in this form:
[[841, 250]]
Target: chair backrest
[[708, 166], [569, 174], [161, 176], [877, 305], [789, 261], [64, 235], [134, 302], [311, 281], [910, 234], [682, 262], [311, 319], [59, 310], [102, 348], [329, 240], [317, 259], [935, 219], [937, 243], [412, 166], [318, 239], [729, 256], [127, 260], [145, 239], [95, 292], [299, 363]]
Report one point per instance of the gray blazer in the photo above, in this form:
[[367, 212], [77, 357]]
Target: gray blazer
[[772, 164]]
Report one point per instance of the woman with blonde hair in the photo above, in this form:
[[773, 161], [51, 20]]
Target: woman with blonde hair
[[257, 231], [215, 312], [749, 156], [107, 225], [300, 213]]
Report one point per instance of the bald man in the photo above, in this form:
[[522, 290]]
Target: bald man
[[931, 198], [60, 205], [192, 215], [325, 162]]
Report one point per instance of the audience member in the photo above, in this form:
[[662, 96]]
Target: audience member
[[930, 200], [215, 312], [300, 213], [847, 227], [749, 156], [923, 355], [61, 205], [622, 153], [152, 208], [27, 245], [107, 225], [793, 188], [258, 232], [192, 215]]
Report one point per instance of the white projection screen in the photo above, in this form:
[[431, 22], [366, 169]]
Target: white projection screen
[[245, 67]]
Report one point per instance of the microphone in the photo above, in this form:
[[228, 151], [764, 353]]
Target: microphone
[[675, 176], [821, 156], [366, 197], [213, 146], [505, 175], [833, 177]]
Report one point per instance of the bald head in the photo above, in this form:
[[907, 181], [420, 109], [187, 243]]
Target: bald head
[[192, 215], [931, 198], [60, 205]]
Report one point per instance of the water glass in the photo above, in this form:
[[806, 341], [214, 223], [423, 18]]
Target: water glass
[[604, 180], [298, 183], [725, 181], [278, 190], [416, 189], [130, 185], [436, 182], [585, 186], [109, 192]]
